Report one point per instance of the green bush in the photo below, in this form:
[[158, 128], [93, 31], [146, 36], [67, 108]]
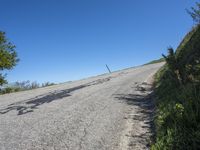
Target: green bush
[[9, 90], [23, 86], [178, 97]]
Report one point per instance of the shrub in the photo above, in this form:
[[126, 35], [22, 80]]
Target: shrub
[[178, 97]]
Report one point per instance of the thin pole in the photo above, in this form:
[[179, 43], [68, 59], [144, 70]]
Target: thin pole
[[108, 68]]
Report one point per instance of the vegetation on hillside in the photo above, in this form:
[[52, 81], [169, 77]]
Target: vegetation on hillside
[[8, 56], [9, 59], [178, 97], [23, 86], [155, 61]]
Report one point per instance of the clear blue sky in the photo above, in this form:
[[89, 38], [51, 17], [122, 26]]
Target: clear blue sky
[[61, 40]]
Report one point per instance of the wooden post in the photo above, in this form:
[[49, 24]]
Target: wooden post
[[108, 68]]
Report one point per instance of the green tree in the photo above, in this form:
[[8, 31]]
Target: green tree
[[195, 13], [8, 56]]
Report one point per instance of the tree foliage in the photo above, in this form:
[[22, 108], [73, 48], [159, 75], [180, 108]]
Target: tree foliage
[[195, 13], [8, 56]]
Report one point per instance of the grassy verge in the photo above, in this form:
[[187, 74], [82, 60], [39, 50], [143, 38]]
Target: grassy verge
[[155, 61], [178, 97]]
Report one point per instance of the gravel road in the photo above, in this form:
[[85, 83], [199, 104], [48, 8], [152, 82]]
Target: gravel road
[[98, 113]]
